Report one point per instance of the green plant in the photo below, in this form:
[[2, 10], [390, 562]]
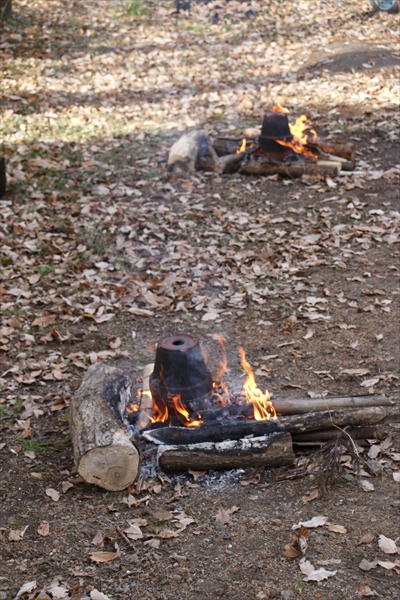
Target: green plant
[[45, 269], [32, 445], [135, 9]]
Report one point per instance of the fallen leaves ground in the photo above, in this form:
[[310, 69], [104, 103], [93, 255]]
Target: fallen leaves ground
[[103, 251]]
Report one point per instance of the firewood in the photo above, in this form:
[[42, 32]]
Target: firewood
[[345, 150], [272, 450], [311, 438], [103, 453], [229, 163], [370, 415], [284, 406], [293, 169]]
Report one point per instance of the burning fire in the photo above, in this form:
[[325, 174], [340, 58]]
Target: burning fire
[[162, 412], [242, 147], [262, 406], [300, 132]]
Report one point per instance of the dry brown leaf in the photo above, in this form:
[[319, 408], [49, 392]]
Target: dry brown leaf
[[366, 539], [311, 496], [98, 539], [133, 532], [53, 494], [387, 545], [313, 574], [222, 516], [43, 529], [162, 515], [165, 534], [365, 590], [103, 557], [197, 474], [336, 528], [27, 587], [314, 522], [44, 321], [17, 535]]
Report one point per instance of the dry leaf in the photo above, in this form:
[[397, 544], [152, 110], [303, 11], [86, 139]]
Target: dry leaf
[[197, 474], [53, 494], [387, 545], [65, 486], [314, 522], [312, 496], [27, 587], [96, 595], [313, 574], [133, 532], [367, 486], [336, 528], [366, 539], [162, 515], [43, 529], [98, 539], [129, 500], [365, 590], [17, 535], [374, 451], [116, 344], [396, 476], [167, 533], [44, 321], [103, 557], [222, 516]]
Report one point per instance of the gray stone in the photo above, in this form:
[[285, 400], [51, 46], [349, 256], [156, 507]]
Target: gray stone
[[286, 594]]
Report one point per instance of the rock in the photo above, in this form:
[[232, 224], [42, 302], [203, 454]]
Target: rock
[[286, 594], [186, 151]]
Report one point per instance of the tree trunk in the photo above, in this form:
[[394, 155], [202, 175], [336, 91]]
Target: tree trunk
[[103, 453]]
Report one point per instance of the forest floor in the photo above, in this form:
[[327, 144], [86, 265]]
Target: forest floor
[[103, 251]]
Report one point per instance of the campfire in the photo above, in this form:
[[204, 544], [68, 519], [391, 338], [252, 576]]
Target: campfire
[[280, 148], [186, 419], [182, 391]]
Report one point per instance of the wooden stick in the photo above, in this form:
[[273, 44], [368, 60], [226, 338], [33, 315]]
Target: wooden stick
[[294, 169], [345, 150], [273, 450], [321, 437], [284, 406], [103, 453], [371, 415]]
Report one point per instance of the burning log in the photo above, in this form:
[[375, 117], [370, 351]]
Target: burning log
[[271, 450], [292, 169], [370, 415], [103, 453]]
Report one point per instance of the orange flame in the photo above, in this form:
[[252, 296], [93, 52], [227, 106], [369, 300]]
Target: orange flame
[[262, 406], [300, 132], [160, 413], [242, 147], [181, 411]]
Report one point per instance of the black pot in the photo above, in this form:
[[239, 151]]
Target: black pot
[[180, 369], [275, 126]]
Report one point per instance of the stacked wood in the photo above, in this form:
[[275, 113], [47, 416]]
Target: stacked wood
[[346, 150], [103, 453], [285, 406]]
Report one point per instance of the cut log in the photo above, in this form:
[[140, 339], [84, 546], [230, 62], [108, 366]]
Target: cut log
[[186, 151], [321, 437], [294, 169], [103, 453], [273, 450], [345, 150], [305, 405], [371, 415]]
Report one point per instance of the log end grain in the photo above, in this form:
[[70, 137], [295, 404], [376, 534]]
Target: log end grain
[[114, 467]]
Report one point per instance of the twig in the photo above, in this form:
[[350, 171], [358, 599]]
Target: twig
[[125, 538]]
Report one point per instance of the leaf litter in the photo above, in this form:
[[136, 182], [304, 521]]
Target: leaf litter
[[86, 242]]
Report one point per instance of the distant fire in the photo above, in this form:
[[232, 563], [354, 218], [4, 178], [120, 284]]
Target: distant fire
[[300, 131]]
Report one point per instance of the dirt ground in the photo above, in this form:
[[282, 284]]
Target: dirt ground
[[103, 251]]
